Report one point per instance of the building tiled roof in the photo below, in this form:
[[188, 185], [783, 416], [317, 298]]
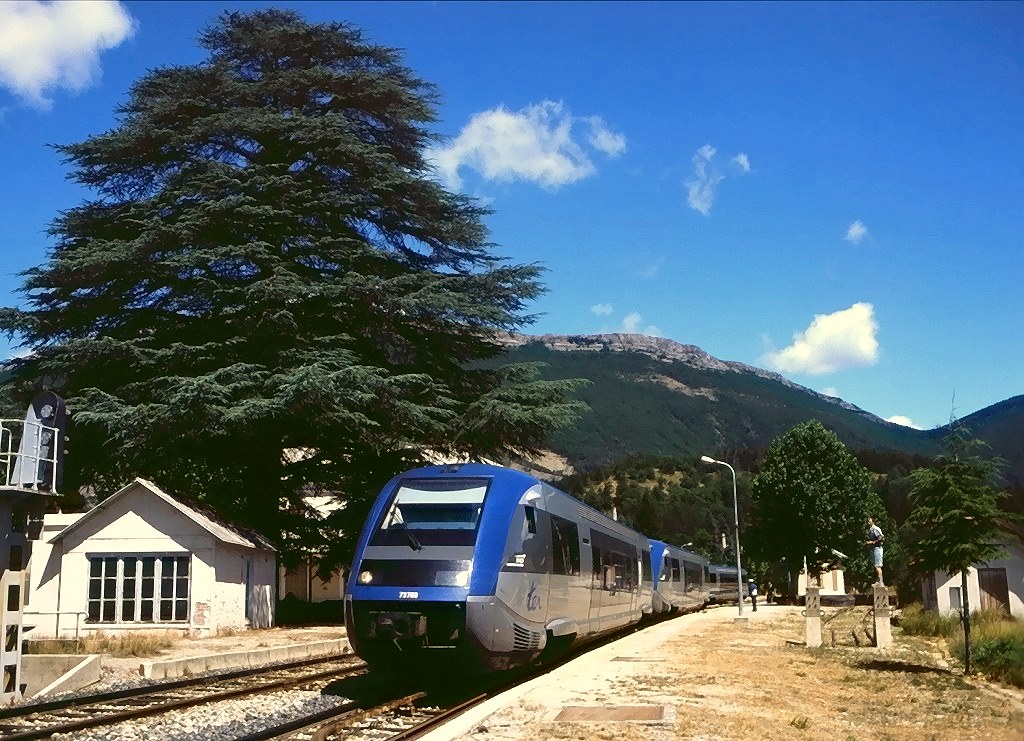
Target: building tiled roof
[[203, 516]]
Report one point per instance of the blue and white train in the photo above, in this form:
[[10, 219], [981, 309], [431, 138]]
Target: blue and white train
[[680, 579], [484, 568], [723, 586]]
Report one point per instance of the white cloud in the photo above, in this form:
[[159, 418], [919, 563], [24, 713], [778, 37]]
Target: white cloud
[[604, 139], [535, 144], [56, 45], [856, 232], [634, 324], [602, 309], [701, 190], [832, 342], [899, 419]]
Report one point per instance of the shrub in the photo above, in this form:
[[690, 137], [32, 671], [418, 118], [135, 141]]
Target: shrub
[[997, 643], [293, 612], [917, 621]]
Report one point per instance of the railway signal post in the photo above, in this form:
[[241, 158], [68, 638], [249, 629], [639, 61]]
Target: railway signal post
[[31, 454]]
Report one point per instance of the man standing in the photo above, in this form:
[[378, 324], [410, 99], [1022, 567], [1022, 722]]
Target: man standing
[[752, 591], [875, 541]]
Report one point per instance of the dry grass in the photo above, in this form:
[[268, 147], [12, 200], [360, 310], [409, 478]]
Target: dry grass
[[137, 644]]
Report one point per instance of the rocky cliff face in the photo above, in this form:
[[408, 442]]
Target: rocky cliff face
[[668, 351]]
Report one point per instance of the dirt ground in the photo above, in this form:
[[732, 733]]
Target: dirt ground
[[721, 681], [717, 680]]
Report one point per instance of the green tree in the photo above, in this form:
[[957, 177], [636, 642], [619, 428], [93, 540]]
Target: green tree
[[811, 496], [269, 295], [956, 521]]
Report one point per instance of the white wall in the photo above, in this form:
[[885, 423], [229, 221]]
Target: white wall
[[141, 522], [831, 582], [263, 599], [234, 566], [44, 581], [1014, 565]]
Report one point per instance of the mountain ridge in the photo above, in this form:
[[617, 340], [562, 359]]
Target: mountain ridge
[[659, 397], [668, 350]]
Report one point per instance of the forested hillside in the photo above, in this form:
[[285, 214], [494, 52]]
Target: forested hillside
[[654, 397]]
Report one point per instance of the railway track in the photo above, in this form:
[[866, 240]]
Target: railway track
[[401, 719], [42, 720], [375, 707]]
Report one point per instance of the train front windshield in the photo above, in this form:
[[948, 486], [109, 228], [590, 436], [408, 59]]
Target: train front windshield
[[436, 511]]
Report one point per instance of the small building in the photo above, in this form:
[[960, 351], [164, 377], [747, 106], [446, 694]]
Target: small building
[[828, 577], [997, 585], [144, 560], [302, 582]]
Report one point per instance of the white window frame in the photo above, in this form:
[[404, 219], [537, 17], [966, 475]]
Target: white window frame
[[125, 591]]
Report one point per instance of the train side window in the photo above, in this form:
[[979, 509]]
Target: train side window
[[693, 574], [531, 519], [565, 546], [675, 570]]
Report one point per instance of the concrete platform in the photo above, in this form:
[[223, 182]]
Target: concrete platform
[[246, 659], [50, 674], [625, 686]]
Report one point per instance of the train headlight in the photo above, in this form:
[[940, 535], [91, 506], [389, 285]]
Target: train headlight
[[365, 577], [458, 578]]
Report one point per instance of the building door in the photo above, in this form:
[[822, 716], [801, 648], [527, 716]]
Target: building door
[[995, 594]]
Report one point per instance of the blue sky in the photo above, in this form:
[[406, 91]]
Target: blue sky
[[833, 191]]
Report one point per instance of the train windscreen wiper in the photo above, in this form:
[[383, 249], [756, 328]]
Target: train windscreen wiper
[[414, 542]]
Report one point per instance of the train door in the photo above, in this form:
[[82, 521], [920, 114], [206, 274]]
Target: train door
[[677, 585], [566, 565], [647, 585], [614, 581]]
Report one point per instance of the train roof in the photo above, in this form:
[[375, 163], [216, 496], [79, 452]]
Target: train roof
[[509, 481]]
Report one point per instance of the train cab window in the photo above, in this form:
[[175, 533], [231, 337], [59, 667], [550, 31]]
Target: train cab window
[[439, 511], [531, 519], [675, 570]]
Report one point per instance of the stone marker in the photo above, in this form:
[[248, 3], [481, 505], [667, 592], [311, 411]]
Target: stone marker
[[812, 609], [883, 630]]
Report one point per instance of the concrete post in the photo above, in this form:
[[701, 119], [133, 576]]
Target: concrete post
[[883, 630], [812, 609]]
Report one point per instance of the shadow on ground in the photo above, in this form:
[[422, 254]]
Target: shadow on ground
[[906, 667]]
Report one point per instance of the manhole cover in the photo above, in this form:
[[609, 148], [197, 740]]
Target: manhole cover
[[612, 712]]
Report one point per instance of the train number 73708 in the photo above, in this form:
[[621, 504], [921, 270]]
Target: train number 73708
[[408, 595]]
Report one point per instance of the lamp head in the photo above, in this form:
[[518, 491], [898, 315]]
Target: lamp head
[[708, 459]]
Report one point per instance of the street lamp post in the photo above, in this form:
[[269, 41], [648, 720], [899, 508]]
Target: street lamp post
[[736, 516]]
